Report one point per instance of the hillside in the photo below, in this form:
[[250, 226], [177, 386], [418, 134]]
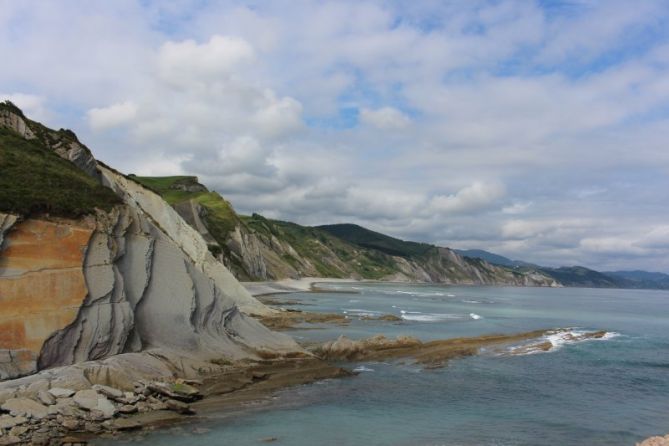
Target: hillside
[[94, 266], [579, 276], [36, 180], [258, 248], [366, 238]]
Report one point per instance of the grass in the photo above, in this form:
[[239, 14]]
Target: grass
[[220, 217], [35, 180]]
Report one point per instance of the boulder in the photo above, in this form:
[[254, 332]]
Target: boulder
[[60, 392], [8, 421], [46, 398], [92, 401], [25, 407], [86, 399], [109, 392]]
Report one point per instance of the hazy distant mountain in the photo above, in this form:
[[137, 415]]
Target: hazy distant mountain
[[642, 279], [579, 275], [492, 258]]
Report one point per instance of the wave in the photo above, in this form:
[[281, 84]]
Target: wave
[[429, 317], [361, 312], [556, 339], [475, 316], [362, 368]]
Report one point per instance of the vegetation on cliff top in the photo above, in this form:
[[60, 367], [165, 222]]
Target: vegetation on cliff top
[[374, 240], [35, 180]]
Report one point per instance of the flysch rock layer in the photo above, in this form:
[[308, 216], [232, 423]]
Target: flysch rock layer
[[183, 236], [136, 279], [42, 287]]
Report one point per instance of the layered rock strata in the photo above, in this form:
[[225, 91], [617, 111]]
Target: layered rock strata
[[135, 279]]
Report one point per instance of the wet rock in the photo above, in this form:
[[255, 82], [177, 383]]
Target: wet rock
[[126, 424], [177, 391], [179, 407], [25, 407], [127, 409]]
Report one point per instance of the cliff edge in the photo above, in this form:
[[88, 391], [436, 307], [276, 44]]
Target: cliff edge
[[94, 265]]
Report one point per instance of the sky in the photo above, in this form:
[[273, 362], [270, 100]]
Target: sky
[[534, 129]]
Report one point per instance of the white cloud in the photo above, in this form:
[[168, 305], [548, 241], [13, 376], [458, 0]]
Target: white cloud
[[187, 62], [385, 118], [112, 116], [475, 197], [540, 133]]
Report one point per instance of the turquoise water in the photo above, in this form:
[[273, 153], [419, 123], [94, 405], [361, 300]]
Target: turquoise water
[[598, 392]]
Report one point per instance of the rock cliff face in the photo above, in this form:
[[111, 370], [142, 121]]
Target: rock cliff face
[[257, 248], [134, 279]]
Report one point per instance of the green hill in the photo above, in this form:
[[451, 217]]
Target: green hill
[[35, 180], [374, 240]]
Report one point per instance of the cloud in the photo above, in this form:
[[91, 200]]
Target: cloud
[[112, 116], [384, 118], [535, 130], [185, 62], [475, 197]]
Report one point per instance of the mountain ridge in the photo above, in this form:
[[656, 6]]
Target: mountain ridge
[[258, 248]]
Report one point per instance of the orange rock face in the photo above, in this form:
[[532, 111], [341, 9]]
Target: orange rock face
[[42, 283]]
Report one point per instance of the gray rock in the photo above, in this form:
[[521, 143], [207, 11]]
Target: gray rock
[[8, 421], [59, 392], [179, 407], [91, 400], [8, 440], [7, 394], [109, 392], [46, 398], [127, 409], [25, 407], [71, 424], [86, 399], [18, 431]]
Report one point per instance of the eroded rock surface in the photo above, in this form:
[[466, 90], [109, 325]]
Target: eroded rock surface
[[134, 279], [42, 286]]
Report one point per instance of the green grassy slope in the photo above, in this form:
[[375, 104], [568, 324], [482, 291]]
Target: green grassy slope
[[374, 240], [221, 217], [35, 180], [581, 276], [332, 256]]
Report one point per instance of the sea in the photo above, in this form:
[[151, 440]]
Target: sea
[[609, 391]]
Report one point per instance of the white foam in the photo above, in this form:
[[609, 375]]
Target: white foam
[[559, 339], [450, 295], [475, 316], [362, 368], [471, 301], [361, 312], [429, 317]]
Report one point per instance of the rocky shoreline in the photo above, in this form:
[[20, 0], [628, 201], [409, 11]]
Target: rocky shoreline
[[64, 411]]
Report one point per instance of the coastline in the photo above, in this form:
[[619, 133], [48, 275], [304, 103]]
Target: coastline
[[284, 286]]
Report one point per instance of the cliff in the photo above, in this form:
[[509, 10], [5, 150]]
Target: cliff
[[94, 265], [257, 248]]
